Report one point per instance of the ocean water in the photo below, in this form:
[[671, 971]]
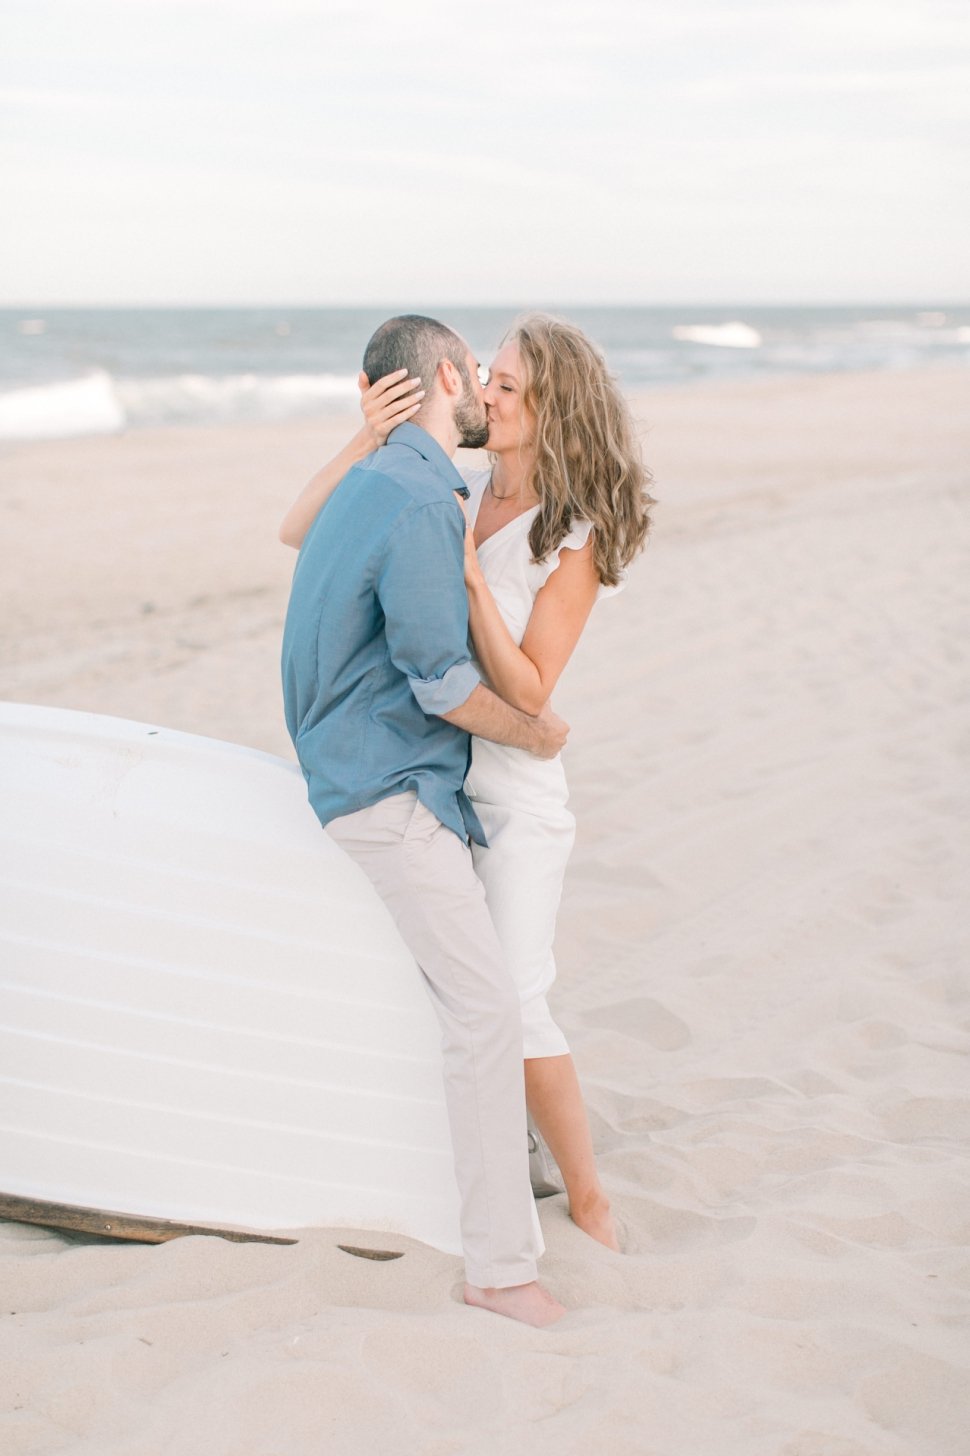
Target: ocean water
[[69, 372]]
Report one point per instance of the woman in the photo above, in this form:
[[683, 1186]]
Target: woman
[[553, 523]]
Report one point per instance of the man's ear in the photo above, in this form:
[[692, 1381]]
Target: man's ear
[[363, 383], [451, 379]]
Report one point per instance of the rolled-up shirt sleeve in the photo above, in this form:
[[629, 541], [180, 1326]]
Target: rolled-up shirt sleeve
[[421, 589]]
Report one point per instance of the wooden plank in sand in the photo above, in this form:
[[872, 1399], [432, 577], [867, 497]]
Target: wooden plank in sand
[[136, 1227]]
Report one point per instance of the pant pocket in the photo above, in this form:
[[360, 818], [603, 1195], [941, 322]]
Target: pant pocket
[[423, 824]]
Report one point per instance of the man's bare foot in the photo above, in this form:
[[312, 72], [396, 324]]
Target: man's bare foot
[[595, 1217], [529, 1303]]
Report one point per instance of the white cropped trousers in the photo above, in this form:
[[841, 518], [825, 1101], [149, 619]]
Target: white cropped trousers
[[521, 802]]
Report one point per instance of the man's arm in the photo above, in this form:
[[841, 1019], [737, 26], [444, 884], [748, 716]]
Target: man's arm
[[421, 589], [488, 716]]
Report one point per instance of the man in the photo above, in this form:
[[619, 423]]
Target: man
[[380, 698]]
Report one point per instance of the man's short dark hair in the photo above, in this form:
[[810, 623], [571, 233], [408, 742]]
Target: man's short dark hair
[[416, 343]]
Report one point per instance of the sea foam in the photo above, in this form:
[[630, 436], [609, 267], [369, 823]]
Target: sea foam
[[230, 398], [735, 335], [86, 406], [98, 404]]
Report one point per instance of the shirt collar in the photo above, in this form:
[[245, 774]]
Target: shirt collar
[[415, 438]]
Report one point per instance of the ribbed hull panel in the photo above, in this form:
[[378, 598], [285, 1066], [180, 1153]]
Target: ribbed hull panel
[[205, 1011]]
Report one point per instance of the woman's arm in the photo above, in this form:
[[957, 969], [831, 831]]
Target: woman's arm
[[525, 676], [386, 404]]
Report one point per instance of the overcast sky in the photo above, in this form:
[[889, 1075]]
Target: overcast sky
[[249, 151]]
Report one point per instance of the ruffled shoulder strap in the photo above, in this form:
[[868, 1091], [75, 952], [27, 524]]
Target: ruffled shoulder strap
[[574, 540]]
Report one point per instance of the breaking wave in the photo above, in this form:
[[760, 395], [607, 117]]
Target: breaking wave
[[98, 404], [734, 335]]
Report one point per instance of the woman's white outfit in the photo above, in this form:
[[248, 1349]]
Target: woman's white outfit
[[522, 800]]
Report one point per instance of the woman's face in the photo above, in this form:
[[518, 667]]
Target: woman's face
[[511, 426]]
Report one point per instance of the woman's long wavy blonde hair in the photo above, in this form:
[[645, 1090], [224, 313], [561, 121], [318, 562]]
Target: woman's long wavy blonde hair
[[588, 464]]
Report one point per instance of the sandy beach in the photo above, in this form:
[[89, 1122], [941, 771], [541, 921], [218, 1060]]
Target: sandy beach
[[759, 949]]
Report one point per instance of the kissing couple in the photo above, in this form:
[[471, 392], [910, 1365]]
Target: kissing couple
[[431, 614]]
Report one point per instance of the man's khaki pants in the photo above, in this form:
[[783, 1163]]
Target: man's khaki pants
[[423, 872]]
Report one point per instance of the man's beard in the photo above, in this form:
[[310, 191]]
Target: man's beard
[[470, 421]]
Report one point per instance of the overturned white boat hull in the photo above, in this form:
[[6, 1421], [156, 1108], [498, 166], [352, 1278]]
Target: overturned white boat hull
[[207, 1013]]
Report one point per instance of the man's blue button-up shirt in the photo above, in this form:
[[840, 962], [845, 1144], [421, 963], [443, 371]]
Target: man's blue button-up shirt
[[375, 645]]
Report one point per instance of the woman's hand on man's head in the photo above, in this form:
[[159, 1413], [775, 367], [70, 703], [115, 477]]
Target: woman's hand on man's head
[[389, 402]]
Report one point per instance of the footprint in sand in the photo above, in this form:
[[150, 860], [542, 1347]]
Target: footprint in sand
[[922, 1397], [679, 1227], [880, 1035], [646, 1020], [718, 1092], [918, 1118], [634, 1115]]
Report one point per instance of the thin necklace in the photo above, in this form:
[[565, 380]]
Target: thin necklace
[[491, 491]]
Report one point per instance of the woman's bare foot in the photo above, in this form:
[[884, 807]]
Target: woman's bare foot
[[529, 1303], [594, 1216]]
